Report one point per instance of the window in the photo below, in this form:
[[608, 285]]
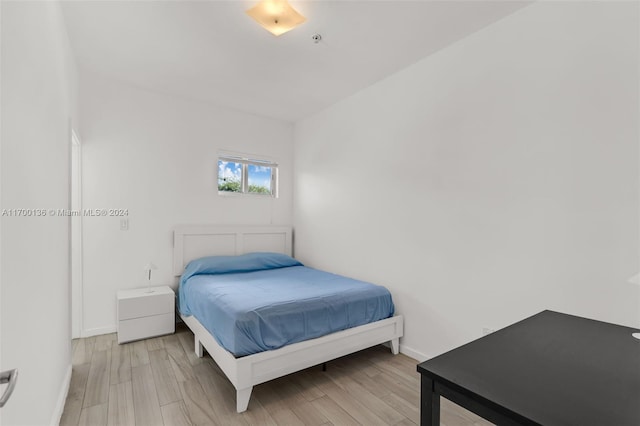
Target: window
[[247, 176]]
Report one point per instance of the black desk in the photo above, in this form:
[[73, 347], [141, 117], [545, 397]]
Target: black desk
[[549, 369]]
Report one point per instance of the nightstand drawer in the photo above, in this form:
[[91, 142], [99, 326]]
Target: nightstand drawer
[[145, 305], [142, 328]]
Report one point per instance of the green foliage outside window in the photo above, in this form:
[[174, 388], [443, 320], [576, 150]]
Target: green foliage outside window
[[257, 189], [229, 186]]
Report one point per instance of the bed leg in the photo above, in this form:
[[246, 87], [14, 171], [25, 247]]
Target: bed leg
[[242, 399], [198, 347], [395, 346]]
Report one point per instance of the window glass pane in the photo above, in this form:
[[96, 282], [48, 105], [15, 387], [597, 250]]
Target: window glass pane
[[259, 179], [229, 176]]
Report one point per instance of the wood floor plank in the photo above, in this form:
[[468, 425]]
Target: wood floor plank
[[120, 364], [257, 414], [368, 362], [83, 351], [139, 353], [215, 367], [371, 383], [95, 415], [411, 379], [220, 393], [197, 404], [172, 345], [164, 377], [155, 343], [286, 417], [175, 414], [367, 359], [412, 412], [281, 395], [276, 398], [187, 342], [398, 387], [121, 411], [270, 395], [333, 411], [71, 413], [104, 342], [407, 422], [77, 387], [145, 399], [351, 405], [306, 385], [97, 391], [407, 366], [403, 361], [454, 415], [178, 358], [79, 375], [375, 405], [309, 414]]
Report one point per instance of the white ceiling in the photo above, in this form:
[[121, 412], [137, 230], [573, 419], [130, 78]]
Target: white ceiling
[[212, 51]]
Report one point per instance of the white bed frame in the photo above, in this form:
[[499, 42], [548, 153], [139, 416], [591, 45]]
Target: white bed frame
[[197, 241]]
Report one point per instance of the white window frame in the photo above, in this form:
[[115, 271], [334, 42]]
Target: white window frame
[[244, 180]]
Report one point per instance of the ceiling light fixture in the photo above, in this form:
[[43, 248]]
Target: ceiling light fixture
[[276, 16]]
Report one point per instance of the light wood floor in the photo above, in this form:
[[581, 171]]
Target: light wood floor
[[160, 381]]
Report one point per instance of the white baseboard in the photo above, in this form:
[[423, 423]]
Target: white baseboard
[[99, 330], [412, 353], [62, 398]]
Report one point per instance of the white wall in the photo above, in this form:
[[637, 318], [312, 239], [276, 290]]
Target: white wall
[[490, 181], [38, 87], [156, 156]]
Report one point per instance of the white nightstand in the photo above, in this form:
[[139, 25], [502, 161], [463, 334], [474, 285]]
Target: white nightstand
[[143, 314]]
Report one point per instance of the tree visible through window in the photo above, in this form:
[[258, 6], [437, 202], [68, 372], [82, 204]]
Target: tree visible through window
[[246, 176], [229, 176]]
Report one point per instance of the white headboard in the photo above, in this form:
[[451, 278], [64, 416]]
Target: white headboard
[[192, 242]]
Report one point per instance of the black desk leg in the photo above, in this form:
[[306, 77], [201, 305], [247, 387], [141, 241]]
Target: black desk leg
[[429, 403]]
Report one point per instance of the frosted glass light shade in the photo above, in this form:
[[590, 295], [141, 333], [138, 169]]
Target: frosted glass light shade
[[150, 267], [276, 16]]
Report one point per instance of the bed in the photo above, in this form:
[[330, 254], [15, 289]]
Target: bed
[[249, 353]]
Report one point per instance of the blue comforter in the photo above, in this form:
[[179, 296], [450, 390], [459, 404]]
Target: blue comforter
[[256, 311]]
